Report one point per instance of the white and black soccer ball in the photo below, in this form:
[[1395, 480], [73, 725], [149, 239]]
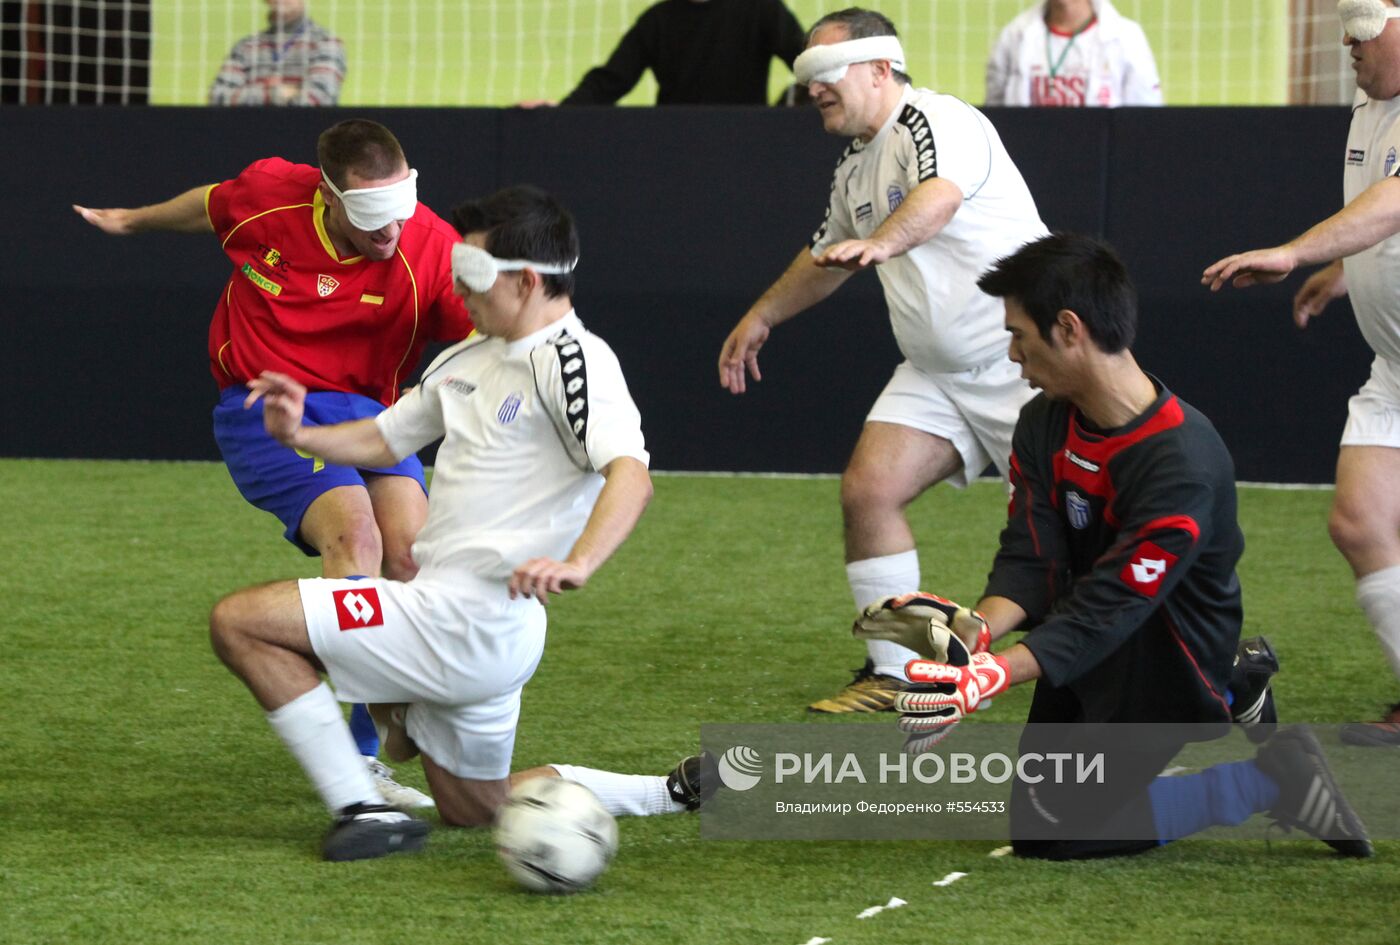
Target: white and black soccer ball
[[554, 836]]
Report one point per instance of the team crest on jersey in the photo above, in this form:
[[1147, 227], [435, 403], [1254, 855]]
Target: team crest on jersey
[[325, 285], [896, 197], [1356, 156], [510, 407], [1389, 162], [1077, 507], [358, 607]]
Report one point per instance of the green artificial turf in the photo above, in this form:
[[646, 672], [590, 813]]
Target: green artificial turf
[[145, 800]]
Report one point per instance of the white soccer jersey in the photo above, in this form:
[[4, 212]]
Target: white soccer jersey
[[1108, 64], [942, 322], [1373, 275], [525, 425]]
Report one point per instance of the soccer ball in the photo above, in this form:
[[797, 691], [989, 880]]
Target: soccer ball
[[554, 836]]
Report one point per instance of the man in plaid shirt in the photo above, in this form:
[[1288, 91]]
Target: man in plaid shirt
[[293, 62]]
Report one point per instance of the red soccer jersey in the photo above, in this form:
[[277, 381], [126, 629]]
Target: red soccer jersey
[[292, 305]]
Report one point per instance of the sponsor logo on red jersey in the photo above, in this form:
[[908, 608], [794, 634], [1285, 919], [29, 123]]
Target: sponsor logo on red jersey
[[325, 285], [1146, 569], [358, 607]]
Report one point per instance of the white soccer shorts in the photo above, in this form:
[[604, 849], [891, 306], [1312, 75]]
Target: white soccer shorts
[[459, 653], [975, 410], [1373, 414]]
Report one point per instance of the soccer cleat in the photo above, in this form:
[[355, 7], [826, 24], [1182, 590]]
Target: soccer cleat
[[1309, 797], [1253, 698], [694, 781], [867, 692], [390, 721], [365, 831], [399, 796], [1382, 734]]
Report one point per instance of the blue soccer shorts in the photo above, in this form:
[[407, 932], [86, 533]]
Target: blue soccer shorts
[[283, 481]]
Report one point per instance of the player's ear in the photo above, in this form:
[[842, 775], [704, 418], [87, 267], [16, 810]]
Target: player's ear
[[1069, 327], [328, 196]]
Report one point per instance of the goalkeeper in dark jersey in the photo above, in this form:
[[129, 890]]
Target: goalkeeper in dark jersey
[[1118, 560]]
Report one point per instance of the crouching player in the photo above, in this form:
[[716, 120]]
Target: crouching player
[[1119, 560], [541, 475]]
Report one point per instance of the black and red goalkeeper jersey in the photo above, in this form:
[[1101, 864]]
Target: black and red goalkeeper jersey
[[1121, 547]]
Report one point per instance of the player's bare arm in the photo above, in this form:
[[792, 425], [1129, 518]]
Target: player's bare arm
[[355, 443], [625, 495], [801, 286], [925, 212], [1361, 224], [182, 214]]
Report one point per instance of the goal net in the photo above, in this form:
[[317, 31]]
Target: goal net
[[500, 52]]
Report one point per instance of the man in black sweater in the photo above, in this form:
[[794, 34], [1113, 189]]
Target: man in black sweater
[[1118, 560], [702, 52]]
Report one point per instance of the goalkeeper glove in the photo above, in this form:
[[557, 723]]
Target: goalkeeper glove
[[941, 695], [932, 626]]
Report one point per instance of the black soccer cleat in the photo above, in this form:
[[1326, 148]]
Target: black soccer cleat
[[365, 831], [694, 781], [1309, 797], [1253, 706], [1382, 734]]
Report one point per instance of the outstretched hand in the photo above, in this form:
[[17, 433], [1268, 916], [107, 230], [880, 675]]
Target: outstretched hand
[[115, 221], [853, 255], [1256, 267], [739, 355]]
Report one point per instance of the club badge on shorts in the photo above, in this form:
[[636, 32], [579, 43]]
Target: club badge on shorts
[[358, 607]]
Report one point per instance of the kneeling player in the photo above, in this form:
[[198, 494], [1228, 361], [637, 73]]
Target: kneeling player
[[1119, 560], [541, 475]]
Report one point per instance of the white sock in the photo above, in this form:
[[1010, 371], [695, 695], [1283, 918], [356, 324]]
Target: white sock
[[639, 795], [1378, 593], [316, 734], [874, 578]]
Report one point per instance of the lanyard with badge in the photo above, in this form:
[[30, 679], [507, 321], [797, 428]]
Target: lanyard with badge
[[1056, 64]]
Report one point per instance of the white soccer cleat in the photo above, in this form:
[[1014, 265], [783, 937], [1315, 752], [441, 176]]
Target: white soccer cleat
[[396, 795]]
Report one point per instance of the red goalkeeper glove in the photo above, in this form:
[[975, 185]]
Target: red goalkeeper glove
[[941, 695]]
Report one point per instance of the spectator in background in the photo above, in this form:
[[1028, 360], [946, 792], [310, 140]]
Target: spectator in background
[[295, 61], [1073, 53], [702, 52]]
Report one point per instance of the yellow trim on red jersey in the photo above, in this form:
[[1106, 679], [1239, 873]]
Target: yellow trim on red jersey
[[318, 216], [208, 191], [413, 283], [290, 206]]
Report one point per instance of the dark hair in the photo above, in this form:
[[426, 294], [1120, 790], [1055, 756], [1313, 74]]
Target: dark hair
[[859, 25], [1069, 271], [360, 145], [524, 222]]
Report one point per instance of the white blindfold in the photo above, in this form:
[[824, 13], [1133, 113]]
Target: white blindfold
[[477, 269], [828, 64], [373, 208], [1364, 20]]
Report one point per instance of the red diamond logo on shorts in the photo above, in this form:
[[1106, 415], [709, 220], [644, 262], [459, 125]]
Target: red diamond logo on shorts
[[358, 607], [1144, 572], [325, 285]]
